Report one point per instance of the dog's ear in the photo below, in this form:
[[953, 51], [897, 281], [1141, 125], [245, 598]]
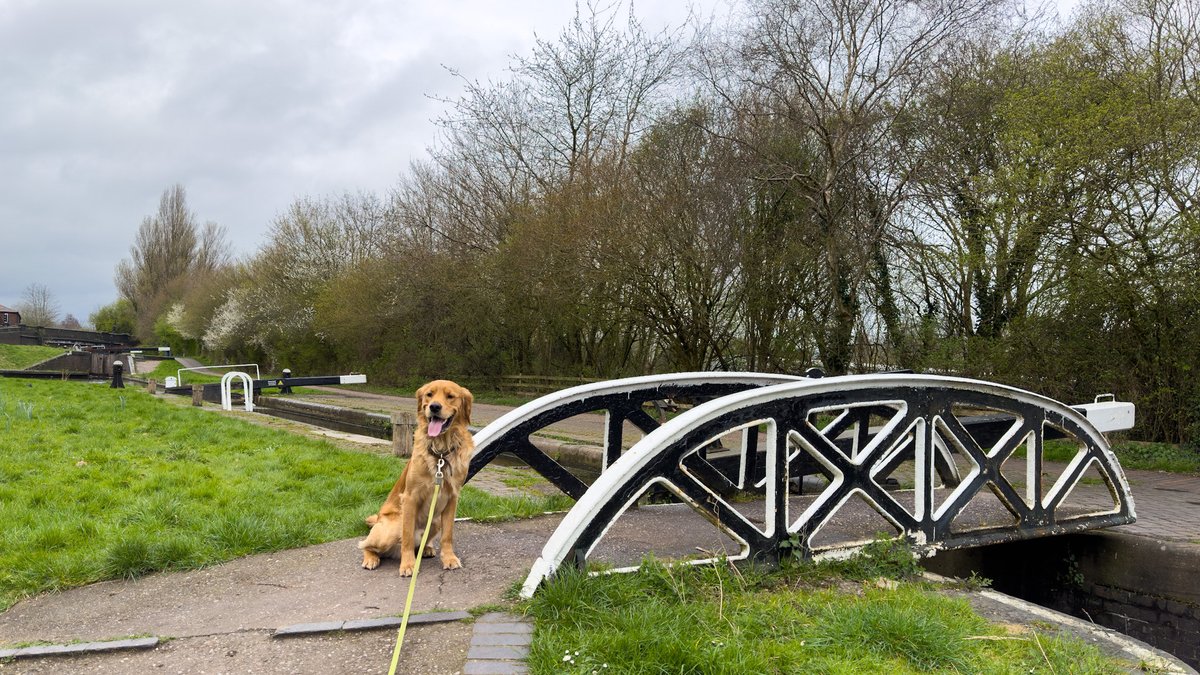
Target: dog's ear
[[467, 400], [420, 399]]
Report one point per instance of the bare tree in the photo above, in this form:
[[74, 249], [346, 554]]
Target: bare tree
[[685, 233], [590, 94], [836, 79], [38, 306], [310, 244], [575, 102], [168, 248]]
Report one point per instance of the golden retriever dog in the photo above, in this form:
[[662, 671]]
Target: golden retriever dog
[[443, 413]]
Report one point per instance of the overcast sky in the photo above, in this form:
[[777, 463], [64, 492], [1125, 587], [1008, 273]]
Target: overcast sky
[[246, 103]]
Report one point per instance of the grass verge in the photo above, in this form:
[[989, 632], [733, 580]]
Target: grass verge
[[20, 357], [1157, 457], [1141, 455], [170, 368], [802, 619], [99, 483]]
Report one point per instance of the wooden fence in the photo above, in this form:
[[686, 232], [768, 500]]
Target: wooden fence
[[538, 385]]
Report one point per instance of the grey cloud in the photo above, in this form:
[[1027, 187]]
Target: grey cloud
[[249, 105]]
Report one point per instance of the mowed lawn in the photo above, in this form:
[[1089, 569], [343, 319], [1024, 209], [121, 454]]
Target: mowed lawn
[[99, 483], [20, 357]]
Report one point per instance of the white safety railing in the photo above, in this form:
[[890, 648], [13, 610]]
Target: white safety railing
[[227, 390], [179, 373]]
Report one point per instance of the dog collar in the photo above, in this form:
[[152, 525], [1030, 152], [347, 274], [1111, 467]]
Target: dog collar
[[441, 456]]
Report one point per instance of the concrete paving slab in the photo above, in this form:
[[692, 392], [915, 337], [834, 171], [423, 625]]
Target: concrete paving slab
[[496, 653], [500, 645], [367, 624], [506, 628], [433, 649], [495, 668], [501, 639], [317, 584]]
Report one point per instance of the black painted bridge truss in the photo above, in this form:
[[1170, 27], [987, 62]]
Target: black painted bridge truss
[[923, 452]]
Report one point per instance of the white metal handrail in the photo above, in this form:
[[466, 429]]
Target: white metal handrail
[[179, 373], [227, 390]]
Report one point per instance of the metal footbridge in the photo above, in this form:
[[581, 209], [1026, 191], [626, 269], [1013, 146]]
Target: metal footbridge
[[782, 465]]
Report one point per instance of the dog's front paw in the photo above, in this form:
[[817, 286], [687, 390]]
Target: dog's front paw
[[370, 560], [406, 570], [451, 562]]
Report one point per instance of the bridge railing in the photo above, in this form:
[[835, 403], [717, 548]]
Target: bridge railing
[[621, 401], [929, 454]]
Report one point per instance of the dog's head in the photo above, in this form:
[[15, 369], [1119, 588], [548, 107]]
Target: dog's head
[[442, 403]]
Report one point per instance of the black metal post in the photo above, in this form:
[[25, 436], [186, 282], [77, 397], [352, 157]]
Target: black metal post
[[287, 388], [117, 382]]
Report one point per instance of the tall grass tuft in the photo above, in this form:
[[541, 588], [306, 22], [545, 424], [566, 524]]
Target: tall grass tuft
[[928, 632], [129, 556]]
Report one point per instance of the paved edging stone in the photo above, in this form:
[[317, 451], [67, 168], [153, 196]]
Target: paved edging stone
[[499, 645], [305, 629], [78, 648]]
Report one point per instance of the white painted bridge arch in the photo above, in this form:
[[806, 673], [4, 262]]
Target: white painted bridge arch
[[955, 437]]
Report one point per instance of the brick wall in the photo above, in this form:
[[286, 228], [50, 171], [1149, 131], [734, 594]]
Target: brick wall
[[1170, 625]]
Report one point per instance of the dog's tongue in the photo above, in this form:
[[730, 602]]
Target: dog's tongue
[[435, 426]]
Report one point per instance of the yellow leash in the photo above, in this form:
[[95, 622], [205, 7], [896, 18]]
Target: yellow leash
[[412, 584]]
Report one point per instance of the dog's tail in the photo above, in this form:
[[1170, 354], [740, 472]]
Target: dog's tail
[[372, 519]]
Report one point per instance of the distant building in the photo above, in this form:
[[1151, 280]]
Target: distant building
[[9, 317]]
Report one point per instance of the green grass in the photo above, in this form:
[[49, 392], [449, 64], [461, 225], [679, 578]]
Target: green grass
[[713, 619], [1057, 450], [20, 357], [162, 369], [1053, 450], [170, 368], [1131, 454], [1157, 457], [99, 483], [489, 508], [886, 557]]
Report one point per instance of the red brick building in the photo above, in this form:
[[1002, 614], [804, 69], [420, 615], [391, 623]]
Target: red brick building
[[9, 317]]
